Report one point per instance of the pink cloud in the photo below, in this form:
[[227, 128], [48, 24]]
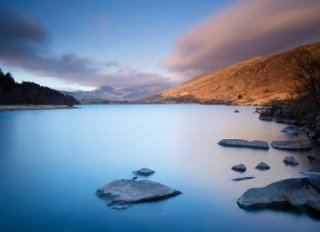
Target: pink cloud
[[247, 29]]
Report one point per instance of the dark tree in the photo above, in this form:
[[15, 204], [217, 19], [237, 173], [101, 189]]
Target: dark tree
[[30, 93], [308, 80]]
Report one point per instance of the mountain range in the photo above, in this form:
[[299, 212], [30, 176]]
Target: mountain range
[[108, 93]]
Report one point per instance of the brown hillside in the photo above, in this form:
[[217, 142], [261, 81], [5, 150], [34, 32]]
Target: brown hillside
[[252, 82]]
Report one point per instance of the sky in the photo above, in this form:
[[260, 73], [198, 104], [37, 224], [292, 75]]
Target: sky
[[84, 44]]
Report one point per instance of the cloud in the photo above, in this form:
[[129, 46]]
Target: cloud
[[25, 43], [20, 37], [246, 29]]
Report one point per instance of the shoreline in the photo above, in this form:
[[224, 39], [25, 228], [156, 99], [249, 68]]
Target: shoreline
[[34, 107]]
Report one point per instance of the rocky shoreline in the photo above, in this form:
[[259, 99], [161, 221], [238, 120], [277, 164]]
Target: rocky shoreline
[[295, 193], [301, 194], [308, 123], [33, 107]]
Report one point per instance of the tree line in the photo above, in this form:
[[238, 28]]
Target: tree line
[[29, 93]]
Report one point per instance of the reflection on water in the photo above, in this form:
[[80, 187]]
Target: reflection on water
[[52, 161]]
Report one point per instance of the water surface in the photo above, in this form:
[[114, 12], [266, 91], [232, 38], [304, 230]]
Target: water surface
[[52, 161]]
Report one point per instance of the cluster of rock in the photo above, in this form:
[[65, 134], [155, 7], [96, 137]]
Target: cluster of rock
[[124, 192], [258, 144], [302, 193], [310, 124], [289, 160], [243, 168], [279, 114]]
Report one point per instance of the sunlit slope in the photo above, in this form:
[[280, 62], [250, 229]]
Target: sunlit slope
[[254, 81]]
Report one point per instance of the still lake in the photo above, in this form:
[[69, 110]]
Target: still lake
[[52, 161]]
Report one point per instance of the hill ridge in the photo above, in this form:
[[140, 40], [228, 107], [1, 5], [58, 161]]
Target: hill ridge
[[254, 81]]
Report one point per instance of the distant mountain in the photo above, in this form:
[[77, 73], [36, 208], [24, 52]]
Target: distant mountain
[[12, 93], [251, 82], [118, 94]]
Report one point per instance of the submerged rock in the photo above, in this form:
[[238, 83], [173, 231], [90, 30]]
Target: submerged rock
[[256, 144], [315, 164], [290, 160], [292, 145], [239, 168], [303, 193], [126, 192], [312, 174], [311, 157], [144, 172], [243, 178], [262, 166], [120, 207], [314, 205], [290, 130], [266, 114]]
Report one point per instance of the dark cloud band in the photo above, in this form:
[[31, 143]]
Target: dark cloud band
[[24, 43]]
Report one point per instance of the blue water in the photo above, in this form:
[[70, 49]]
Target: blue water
[[52, 161]]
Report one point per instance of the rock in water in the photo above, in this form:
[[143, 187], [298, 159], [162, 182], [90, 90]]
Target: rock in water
[[237, 111], [267, 114], [312, 174], [303, 193], [121, 192], [290, 160], [243, 178], [262, 166], [290, 130], [256, 144], [144, 172], [292, 145], [315, 164], [239, 168]]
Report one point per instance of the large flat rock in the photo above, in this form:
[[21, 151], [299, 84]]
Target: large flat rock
[[303, 193], [134, 191], [292, 145], [255, 144]]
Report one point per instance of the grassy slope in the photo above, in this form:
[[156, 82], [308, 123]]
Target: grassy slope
[[258, 80]]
